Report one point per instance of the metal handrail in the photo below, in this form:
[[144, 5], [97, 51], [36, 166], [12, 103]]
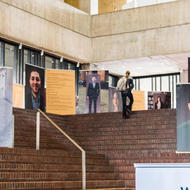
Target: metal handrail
[[67, 136]]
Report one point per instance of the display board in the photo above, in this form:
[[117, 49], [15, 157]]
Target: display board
[[93, 92], [183, 117], [159, 100], [139, 100], [18, 90], [60, 92], [34, 88], [6, 116], [115, 100]]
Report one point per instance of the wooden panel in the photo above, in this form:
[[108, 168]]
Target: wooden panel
[[105, 6], [18, 90], [60, 92], [74, 3], [139, 100]]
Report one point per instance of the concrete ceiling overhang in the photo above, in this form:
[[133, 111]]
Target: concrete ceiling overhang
[[144, 66]]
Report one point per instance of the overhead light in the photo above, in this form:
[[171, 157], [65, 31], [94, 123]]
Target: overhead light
[[20, 46], [42, 53], [61, 59], [78, 64]]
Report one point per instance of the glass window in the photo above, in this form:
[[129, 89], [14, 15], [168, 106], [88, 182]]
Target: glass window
[[9, 55], [26, 56], [57, 64], [153, 83], [71, 66], [11, 60], [165, 83], [65, 65], [32, 57], [146, 84], [48, 62], [157, 83]]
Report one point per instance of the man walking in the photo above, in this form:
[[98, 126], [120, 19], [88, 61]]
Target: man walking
[[125, 86]]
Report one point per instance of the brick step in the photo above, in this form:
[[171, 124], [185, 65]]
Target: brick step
[[118, 123], [109, 134], [131, 147], [49, 159], [128, 138], [159, 116], [127, 154], [127, 142], [128, 132], [112, 138], [99, 144], [43, 145], [45, 176], [123, 127], [12, 166], [131, 121], [61, 184], [41, 152]]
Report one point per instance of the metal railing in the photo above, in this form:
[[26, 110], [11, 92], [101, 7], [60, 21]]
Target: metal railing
[[67, 136]]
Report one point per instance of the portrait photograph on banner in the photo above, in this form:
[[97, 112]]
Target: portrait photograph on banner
[[183, 117], [34, 88], [159, 100], [115, 100], [93, 92]]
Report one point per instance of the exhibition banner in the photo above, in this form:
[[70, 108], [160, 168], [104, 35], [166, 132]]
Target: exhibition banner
[[93, 92], [18, 91], [183, 117], [34, 88], [115, 100], [162, 176], [139, 100], [6, 116], [60, 92], [159, 100]]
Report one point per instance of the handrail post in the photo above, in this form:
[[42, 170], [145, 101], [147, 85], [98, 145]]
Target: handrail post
[[83, 170], [38, 130]]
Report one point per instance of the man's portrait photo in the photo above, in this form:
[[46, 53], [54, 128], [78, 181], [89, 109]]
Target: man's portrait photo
[[34, 89], [93, 94]]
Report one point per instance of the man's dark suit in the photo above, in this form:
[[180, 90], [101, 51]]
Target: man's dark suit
[[93, 93], [125, 94]]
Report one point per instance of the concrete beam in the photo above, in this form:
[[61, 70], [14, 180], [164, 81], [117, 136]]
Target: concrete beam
[[47, 25], [147, 31]]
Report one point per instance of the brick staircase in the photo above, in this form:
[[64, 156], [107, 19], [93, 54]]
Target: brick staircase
[[113, 145], [57, 165], [147, 137]]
